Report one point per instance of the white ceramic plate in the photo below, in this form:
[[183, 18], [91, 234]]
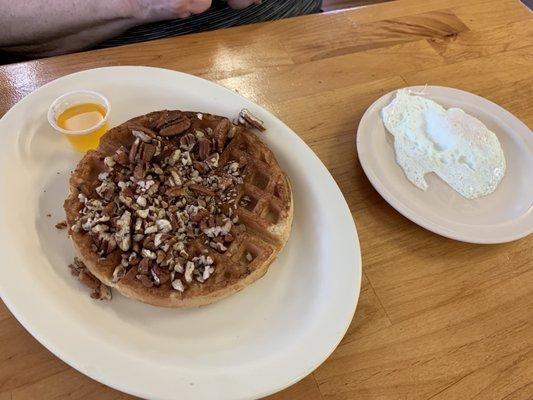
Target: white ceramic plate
[[503, 216], [252, 344]]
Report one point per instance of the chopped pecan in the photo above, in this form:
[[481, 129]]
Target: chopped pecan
[[148, 246], [119, 273], [224, 182], [139, 171], [144, 266], [160, 256], [110, 209], [176, 178], [201, 167], [201, 202], [76, 267], [141, 201], [89, 280], [106, 190], [145, 281], [121, 156], [127, 191], [134, 150], [61, 225], [122, 235], [85, 189], [201, 189], [245, 201], [102, 293], [174, 222], [105, 243], [212, 160], [159, 275], [199, 215], [233, 131], [225, 207], [175, 191], [178, 285]]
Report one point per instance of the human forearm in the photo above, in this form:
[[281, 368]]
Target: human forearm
[[50, 27], [31, 22], [66, 44]]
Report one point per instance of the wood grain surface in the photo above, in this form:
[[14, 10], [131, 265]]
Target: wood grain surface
[[437, 319]]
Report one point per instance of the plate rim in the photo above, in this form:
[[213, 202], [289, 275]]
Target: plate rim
[[44, 337], [403, 208]]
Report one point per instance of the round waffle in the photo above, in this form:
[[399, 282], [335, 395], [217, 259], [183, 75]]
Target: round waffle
[[179, 209]]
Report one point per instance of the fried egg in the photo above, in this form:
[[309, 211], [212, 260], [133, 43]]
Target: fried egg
[[456, 146]]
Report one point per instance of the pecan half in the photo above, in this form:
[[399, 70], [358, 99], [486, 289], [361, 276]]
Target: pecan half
[[187, 141], [176, 127], [249, 120], [134, 150], [141, 152], [142, 132], [204, 148], [148, 151], [167, 118], [220, 134]]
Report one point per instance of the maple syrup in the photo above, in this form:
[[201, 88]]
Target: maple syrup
[[80, 118]]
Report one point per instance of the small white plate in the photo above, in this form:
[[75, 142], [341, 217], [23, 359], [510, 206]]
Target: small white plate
[[252, 344], [503, 216]]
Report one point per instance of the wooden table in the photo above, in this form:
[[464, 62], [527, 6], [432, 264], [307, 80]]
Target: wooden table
[[437, 319]]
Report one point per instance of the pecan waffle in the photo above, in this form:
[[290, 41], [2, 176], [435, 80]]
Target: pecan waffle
[[179, 209]]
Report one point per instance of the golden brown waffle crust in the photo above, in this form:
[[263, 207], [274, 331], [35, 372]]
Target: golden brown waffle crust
[[275, 238]]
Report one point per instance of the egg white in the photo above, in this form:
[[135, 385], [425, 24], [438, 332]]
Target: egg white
[[456, 146]]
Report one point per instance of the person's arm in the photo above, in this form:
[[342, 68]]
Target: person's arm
[[48, 27]]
